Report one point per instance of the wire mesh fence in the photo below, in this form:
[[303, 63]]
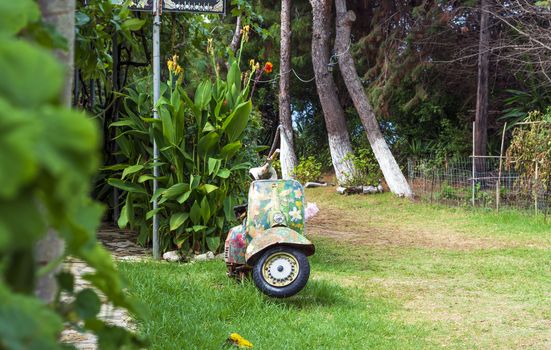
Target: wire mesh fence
[[486, 182]]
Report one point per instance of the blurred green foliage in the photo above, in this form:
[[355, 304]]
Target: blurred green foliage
[[48, 154]]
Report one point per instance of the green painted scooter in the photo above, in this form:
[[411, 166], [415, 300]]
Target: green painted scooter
[[271, 241]]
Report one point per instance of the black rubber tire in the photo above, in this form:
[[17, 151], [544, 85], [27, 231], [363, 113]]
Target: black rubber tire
[[289, 290]]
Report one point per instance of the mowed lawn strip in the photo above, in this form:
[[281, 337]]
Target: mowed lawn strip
[[387, 274]]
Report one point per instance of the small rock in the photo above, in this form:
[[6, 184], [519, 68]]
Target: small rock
[[219, 256], [369, 189], [315, 184], [204, 257], [132, 258], [172, 256]]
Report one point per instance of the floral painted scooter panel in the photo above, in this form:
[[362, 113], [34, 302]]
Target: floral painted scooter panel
[[235, 245], [267, 197]]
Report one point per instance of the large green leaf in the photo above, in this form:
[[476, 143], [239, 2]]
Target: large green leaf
[[194, 181], [133, 24], [197, 112], [207, 143], [208, 188], [168, 128], [183, 198], [126, 186], [21, 221], [27, 323], [237, 121], [234, 76], [23, 66], [203, 94], [177, 220], [122, 221], [229, 203], [229, 150], [87, 304], [214, 165], [131, 170], [14, 15], [17, 157], [213, 242], [224, 173], [152, 212], [174, 191], [195, 213], [205, 210]]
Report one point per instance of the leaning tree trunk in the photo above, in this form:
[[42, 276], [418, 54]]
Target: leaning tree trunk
[[391, 171], [61, 15], [287, 155], [481, 119], [339, 141]]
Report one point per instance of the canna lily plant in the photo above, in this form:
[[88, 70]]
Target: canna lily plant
[[202, 170]]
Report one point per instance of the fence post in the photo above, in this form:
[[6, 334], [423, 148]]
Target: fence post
[[473, 163], [536, 190], [498, 187]]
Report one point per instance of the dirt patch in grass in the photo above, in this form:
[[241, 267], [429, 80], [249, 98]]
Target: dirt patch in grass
[[462, 313], [358, 228], [487, 319]]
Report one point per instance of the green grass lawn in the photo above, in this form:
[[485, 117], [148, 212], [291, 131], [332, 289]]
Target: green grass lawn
[[387, 274]]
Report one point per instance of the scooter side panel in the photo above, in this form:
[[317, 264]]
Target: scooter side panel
[[269, 196], [235, 246]]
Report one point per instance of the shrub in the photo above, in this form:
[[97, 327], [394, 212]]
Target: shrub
[[530, 145], [202, 159], [367, 168], [308, 169]]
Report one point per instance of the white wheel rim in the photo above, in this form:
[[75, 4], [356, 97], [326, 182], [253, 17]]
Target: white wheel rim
[[280, 269]]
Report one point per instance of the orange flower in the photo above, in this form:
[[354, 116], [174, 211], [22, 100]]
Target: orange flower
[[268, 67]]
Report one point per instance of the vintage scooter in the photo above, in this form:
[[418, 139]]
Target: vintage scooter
[[271, 241]]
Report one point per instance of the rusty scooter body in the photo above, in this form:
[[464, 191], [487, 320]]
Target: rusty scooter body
[[270, 242]]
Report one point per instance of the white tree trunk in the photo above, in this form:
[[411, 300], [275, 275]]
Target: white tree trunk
[[391, 171], [287, 156], [339, 141], [60, 14]]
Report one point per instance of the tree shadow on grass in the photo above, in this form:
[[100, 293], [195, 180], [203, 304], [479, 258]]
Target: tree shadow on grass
[[316, 294]]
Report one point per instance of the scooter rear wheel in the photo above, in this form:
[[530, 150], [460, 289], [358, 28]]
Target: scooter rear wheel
[[281, 271]]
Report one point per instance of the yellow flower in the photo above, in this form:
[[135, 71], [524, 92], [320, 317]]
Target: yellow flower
[[170, 65], [245, 33], [245, 29], [251, 63], [239, 341]]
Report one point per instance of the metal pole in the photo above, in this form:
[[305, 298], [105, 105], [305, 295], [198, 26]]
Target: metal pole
[[156, 94]]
